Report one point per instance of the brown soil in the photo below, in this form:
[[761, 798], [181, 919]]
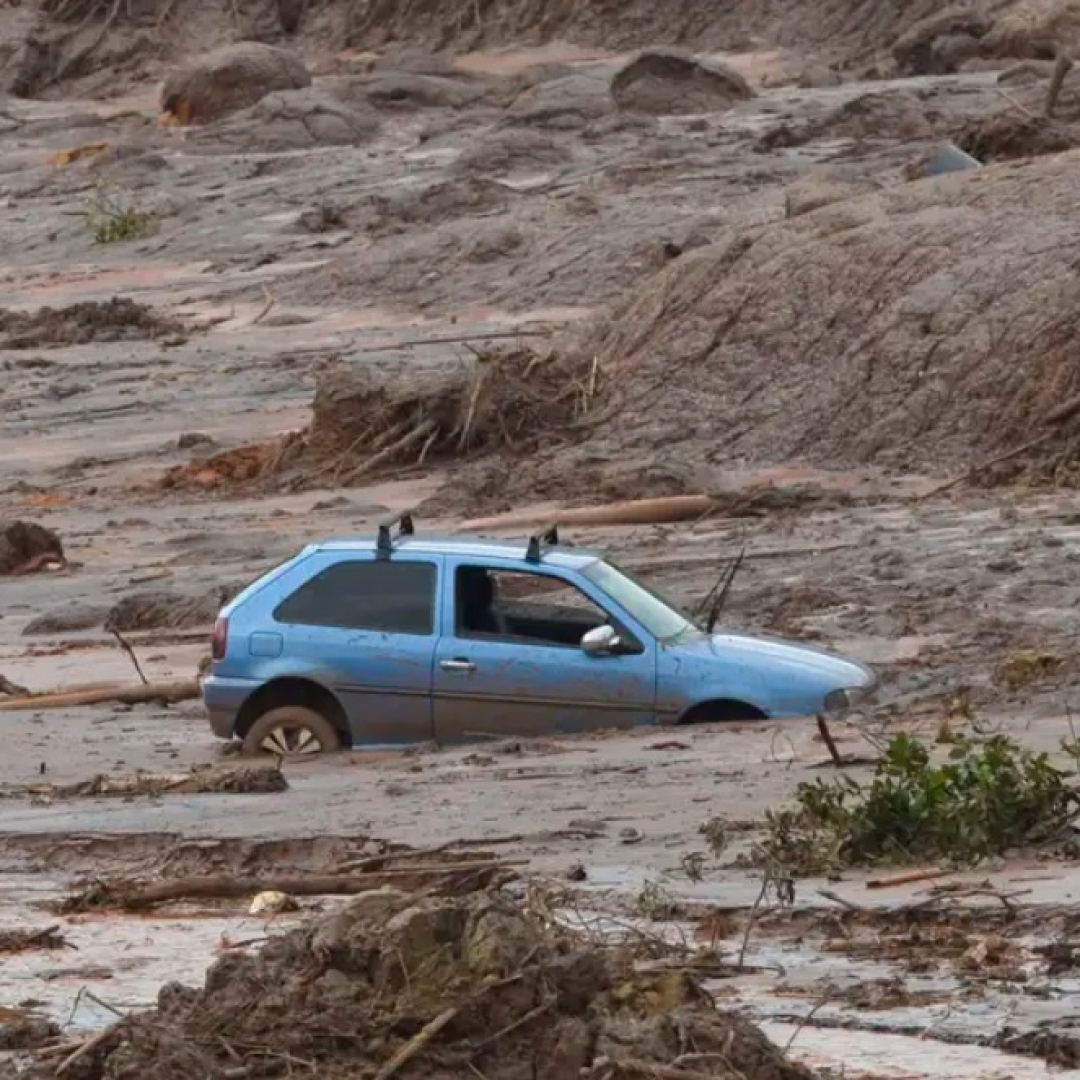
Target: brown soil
[[445, 988], [118, 319], [665, 83], [26, 547]]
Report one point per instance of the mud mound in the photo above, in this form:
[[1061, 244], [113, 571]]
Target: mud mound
[[890, 114], [409, 89], [164, 610], [928, 326], [566, 104], [118, 319], [518, 149], [666, 82], [26, 547], [292, 120], [448, 200], [1009, 135], [441, 989], [229, 79], [366, 417]]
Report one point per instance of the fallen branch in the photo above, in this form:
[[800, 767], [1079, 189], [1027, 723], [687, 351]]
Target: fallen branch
[[416, 1043], [88, 1047], [131, 656], [173, 691], [910, 877], [135, 897]]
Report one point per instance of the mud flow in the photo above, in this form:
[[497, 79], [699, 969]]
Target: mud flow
[[788, 281]]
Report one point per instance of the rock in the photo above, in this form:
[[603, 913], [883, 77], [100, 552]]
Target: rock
[[229, 79]]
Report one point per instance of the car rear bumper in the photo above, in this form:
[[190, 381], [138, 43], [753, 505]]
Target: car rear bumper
[[223, 698]]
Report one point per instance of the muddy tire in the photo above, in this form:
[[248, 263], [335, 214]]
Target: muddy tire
[[292, 731]]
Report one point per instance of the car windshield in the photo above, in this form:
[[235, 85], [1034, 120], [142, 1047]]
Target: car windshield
[[660, 617]]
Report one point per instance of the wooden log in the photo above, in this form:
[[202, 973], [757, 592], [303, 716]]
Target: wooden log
[[632, 512], [175, 690]]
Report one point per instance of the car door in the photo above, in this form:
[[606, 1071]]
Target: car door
[[510, 683], [366, 628]]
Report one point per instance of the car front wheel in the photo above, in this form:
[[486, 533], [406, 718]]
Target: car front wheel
[[291, 731]]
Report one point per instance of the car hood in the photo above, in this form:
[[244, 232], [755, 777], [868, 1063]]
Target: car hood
[[765, 653]]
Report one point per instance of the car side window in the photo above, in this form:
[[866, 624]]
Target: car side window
[[389, 597], [536, 609]]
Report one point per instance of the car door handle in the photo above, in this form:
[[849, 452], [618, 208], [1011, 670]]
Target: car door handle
[[457, 665]]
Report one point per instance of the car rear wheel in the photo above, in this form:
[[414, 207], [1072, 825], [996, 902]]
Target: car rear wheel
[[292, 731]]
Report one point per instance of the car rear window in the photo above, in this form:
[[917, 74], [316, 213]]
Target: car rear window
[[387, 597]]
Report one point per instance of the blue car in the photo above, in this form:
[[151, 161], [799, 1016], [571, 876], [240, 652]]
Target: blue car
[[398, 639]]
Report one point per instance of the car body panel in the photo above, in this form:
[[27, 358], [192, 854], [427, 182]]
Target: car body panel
[[398, 688], [502, 687]]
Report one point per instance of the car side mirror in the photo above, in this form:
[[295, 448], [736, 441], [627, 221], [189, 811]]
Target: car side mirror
[[600, 641]]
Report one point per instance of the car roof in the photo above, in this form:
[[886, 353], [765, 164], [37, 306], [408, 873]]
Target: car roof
[[568, 558]]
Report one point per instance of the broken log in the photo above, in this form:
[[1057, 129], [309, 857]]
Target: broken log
[[172, 691], [134, 897], [660, 511]]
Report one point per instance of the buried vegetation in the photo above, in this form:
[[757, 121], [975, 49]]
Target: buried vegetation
[[983, 800], [421, 986]]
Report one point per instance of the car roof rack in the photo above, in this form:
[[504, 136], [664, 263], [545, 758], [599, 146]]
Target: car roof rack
[[548, 538], [384, 544]]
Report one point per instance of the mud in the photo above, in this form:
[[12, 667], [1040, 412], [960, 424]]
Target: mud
[[475, 975], [472, 281], [118, 319], [27, 547]]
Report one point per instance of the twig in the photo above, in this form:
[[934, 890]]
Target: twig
[[1062, 66], [87, 1047], [520, 1022], [752, 917], [956, 481], [388, 452], [830, 743], [455, 339], [828, 894], [908, 878], [267, 307], [806, 1020], [131, 655], [416, 1043]]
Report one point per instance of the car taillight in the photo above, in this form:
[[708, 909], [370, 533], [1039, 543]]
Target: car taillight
[[220, 639]]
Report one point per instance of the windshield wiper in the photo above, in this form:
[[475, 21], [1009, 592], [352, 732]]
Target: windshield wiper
[[714, 599]]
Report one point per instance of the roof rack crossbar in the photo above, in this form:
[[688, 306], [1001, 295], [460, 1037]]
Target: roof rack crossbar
[[548, 538], [385, 542]]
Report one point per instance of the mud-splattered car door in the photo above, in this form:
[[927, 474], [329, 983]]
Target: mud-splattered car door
[[510, 659]]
